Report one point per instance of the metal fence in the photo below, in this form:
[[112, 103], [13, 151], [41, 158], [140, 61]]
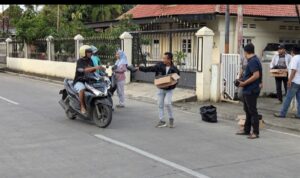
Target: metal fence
[[3, 52], [17, 49], [107, 47], [149, 47], [37, 50], [64, 50], [230, 65]]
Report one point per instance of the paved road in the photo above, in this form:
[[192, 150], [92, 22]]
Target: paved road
[[36, 140]]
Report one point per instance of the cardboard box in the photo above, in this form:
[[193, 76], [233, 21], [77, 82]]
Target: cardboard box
[[167, 80], [279, 72], [242, 120]]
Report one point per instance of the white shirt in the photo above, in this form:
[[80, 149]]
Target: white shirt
[[295, 64], [275, 60], [167, 69]]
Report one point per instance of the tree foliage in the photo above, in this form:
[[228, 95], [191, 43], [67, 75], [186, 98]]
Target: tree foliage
[[32, 24]]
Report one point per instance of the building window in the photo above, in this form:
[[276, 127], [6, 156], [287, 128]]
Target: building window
[[290, 27], [252, 26], [245, 25], [186, 45], [297, 28], [156, 49], [247, 40], [282, 27]]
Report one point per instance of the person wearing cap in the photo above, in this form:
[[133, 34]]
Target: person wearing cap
[[164, 68], [250, 82], [84, 65], [281, 61], [293, 85]]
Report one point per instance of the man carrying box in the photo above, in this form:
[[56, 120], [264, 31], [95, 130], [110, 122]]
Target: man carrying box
[[281, 61], [165, 86]]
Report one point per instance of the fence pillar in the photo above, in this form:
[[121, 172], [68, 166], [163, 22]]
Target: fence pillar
[[8, 48], [204, 63], [50, 47], [78, 43], [126, 45]]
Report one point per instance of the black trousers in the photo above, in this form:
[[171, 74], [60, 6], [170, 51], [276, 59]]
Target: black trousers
[[279, 81], [252, 117]]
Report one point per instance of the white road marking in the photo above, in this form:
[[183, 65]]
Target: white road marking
[[285, 133], [10, 101], [151, 156]]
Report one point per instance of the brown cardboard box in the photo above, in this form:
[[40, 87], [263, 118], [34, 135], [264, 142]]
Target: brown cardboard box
[[167, 80], [242, 120], [279, 72]]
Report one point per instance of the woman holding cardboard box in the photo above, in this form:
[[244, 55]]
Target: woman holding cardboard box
[[281, 61], [165, 91]]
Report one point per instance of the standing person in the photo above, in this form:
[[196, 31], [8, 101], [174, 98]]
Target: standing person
[[281, 61], [293, 85], [163, 68], [119, 69], [251, 89], [96, 60]]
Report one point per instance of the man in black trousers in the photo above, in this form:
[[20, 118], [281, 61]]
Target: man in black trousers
[[251, 88]]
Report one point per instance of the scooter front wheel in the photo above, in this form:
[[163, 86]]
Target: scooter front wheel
[[102, 115]]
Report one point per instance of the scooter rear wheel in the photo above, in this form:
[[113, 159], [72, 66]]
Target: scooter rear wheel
[[103, 119]]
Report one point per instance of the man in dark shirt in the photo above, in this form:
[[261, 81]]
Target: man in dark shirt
[[251, 82], [161, 69], [84, 65]]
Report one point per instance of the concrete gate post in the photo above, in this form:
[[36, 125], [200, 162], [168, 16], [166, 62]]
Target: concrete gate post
[[8, 47], [78, 43], [50, 47], [126, 46], [204, 63]]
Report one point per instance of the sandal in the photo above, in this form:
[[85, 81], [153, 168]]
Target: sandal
[[253, 136], [242, 133]]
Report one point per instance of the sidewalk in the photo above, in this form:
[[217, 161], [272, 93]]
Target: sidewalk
[[229, 111]]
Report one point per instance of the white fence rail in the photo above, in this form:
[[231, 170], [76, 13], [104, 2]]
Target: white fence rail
[[230, 66]]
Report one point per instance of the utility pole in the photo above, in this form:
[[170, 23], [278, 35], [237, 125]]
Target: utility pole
[[3, 23], [227, 24], [239, 30], [57, 25]]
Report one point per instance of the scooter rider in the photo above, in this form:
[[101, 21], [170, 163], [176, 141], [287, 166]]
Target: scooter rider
[[84, 65]]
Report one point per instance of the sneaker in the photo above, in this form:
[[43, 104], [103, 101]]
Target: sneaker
[[278, 115], [171, 123], [161, 124], [120, 106]]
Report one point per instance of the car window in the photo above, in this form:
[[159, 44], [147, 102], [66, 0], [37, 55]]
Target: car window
[[271, 47]]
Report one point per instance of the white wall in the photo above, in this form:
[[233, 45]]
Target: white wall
[[43, 67]]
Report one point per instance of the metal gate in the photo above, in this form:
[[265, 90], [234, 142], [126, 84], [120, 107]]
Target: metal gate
[[3, 52], [148, 48], [230, 67]]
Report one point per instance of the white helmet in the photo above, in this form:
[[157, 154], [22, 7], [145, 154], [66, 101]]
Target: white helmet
[[83, 49]]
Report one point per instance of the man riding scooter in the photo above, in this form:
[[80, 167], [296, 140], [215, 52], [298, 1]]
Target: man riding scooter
[[84, 65]]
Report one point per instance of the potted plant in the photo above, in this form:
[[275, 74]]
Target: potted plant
[[179, 58]]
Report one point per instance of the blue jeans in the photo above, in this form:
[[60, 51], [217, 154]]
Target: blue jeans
[[165, 98], [291, 93]]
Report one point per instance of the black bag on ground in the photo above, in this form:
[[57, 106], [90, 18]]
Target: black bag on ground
[[209, 113]]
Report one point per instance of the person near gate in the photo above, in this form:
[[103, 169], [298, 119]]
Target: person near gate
[[163, 68], [119, 70], [293, 85], [252, 78], [281, 61]]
